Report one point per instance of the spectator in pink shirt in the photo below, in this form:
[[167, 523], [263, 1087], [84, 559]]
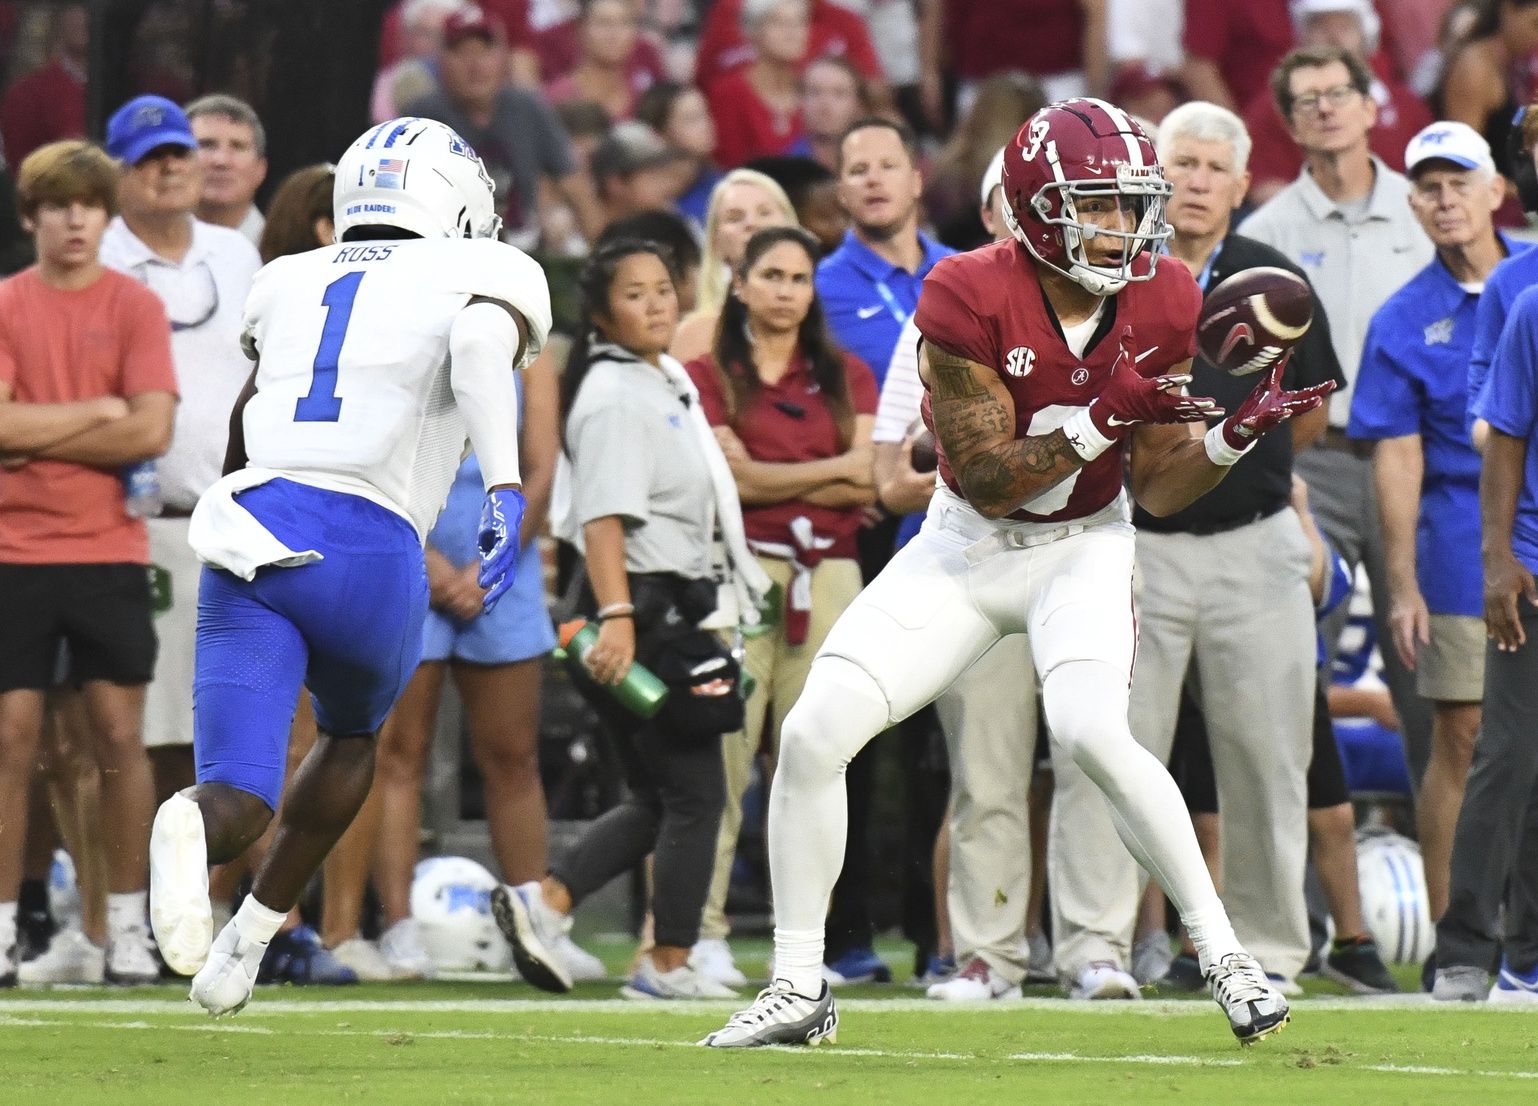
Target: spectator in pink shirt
[[607, 33]]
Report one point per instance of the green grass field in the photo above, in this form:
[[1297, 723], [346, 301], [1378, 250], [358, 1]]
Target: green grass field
[[503, 1042]]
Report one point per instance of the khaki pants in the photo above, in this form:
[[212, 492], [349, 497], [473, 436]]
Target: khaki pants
[[779, 670], [168, 700], [1237, 605], [989, 719]]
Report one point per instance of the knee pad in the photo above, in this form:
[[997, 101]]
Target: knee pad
[[840, 709], [1086, 708]]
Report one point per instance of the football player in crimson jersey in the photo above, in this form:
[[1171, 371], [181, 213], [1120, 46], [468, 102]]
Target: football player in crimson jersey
[[1045, 358]]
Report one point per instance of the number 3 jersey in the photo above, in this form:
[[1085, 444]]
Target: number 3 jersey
[[988, 306], [353, 390]]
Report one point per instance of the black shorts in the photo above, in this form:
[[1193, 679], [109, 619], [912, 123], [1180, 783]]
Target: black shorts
[[102, 612], [1191, 759]]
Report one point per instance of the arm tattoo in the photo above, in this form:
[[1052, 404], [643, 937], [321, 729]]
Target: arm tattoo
[[996, 471]]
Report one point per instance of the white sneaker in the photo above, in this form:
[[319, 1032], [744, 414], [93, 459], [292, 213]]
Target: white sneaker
[[1254, 1006], [365, 959], [1040, 969], [402, 949], [1461, 984], [780, 1016], [1104, 980], [131, 957], [1151, 957], [179, 909], [581, 965], [71, 957], [651, 982], [533, 930], [224, 984], [976, 982], [712, 958]]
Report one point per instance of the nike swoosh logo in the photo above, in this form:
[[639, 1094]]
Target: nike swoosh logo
[[1114, 421], [867, 312], [1138, 357]]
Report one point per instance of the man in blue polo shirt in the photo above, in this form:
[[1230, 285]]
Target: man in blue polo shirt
[[1497, 836], [870, 285], [1511, 277], [869, 288], [1411, 398]]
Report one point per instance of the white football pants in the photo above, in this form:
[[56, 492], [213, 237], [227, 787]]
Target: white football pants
[[944, 600]]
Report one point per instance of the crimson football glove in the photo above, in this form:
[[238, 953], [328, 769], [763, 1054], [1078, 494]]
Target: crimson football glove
[[1262, 411], [1128, 399]]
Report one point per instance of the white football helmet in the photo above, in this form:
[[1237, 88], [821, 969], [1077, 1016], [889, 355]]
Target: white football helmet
[[416, 174], [1394, 903], [451, 902]]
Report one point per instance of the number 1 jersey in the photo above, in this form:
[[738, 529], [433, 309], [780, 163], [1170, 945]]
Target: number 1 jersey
[[352, 349]]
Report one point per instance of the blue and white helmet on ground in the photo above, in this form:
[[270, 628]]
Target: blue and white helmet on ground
[[1395, 907], [416, 174], [451, 902]]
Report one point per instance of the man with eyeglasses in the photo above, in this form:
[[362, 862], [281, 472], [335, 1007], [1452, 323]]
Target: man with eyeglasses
[[1347, 222], [201, 273]]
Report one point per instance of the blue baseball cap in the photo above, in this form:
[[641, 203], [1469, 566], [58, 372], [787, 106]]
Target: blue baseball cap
[[144, 123]]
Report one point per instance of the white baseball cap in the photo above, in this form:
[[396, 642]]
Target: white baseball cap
[[1372, 26], [1458, 143], [993, 177]]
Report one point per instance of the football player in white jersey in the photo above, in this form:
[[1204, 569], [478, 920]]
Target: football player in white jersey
[[376, 359]]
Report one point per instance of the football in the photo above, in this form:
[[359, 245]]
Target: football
[[1253, 318], [925, 459]]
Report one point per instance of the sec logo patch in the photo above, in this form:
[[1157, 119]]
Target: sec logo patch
[[1080, 375], [1020, 361]]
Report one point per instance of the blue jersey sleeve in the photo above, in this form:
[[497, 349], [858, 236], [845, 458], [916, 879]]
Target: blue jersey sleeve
[[1506, 400], [1494, 303], [1387, 399]]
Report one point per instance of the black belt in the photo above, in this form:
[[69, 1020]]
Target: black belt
[[1207, 527], [168, 511], [1336, 441]]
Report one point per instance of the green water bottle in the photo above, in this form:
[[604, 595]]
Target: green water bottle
[[640, 692]]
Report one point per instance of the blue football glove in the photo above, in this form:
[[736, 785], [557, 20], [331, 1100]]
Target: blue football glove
[[497, 540]]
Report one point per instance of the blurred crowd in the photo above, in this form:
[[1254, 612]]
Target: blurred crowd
[[751, 193]]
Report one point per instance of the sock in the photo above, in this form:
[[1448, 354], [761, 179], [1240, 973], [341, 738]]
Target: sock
[[798, 959], [1347, 942], [34, 897], [255, 922], [126, 910], [1212, 934], [7, 926]]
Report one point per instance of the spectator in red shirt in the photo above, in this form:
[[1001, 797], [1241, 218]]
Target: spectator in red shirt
[[835, 32], [49, 103], [757, 108], [607, 34], [833, 95], [1062, 43], [1231, 48], [1352, 25], [86, 388], [793, 414], [559, 48]]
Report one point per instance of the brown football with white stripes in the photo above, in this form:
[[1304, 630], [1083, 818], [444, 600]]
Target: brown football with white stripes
[[1250, 321]]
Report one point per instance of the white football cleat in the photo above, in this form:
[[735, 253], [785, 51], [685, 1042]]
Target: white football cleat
[[976, 982], [581, 965], [1254, 1006], [402, 948], [780, 1016], [365, 959], [534, 931], [683, 982], [224, 984], [1104, 980], [712, 958], [71, 957], [180, 913]]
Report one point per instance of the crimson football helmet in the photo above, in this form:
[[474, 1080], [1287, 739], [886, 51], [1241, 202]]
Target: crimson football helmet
[[1071, 151]]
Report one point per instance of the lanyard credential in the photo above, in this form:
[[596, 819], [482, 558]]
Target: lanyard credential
[[891, 302]]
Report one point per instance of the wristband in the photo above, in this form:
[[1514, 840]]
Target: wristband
[[1219, 452], [616, 610], [1085, 438]]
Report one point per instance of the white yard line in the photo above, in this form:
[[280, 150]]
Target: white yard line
[[404, 1035]]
